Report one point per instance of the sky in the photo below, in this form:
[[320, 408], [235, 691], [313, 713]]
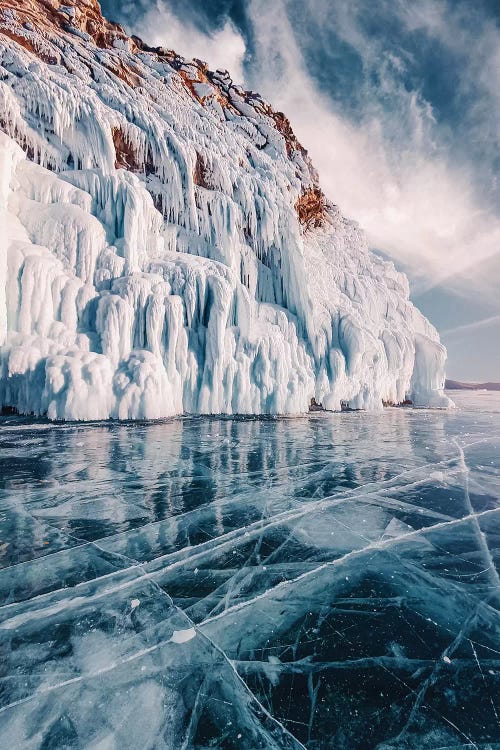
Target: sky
[[398, 103]]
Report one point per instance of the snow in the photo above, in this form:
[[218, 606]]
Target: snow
[[154, 293]]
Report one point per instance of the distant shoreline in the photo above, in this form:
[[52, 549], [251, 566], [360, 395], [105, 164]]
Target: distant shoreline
[[457, 385]]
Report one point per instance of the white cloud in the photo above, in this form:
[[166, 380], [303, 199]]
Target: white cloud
[[224, 49], [493, 320], [413, 201]]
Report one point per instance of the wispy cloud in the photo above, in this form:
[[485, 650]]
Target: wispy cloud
[[493, 320], [223, 48], [390, 167]]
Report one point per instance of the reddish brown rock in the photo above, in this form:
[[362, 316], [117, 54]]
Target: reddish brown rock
[[311, 208], [126, 158], [201, 175]]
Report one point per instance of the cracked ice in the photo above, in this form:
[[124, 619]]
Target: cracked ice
[[321, 582]]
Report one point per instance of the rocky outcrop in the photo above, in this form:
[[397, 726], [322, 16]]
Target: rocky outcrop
[[311, 207]]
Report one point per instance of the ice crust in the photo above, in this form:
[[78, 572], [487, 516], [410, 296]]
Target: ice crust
[[149, 294]]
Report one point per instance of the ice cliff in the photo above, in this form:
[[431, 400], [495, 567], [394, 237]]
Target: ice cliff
[[165, 246]]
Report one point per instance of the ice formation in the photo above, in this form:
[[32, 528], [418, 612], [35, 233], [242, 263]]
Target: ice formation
[[166, 247]]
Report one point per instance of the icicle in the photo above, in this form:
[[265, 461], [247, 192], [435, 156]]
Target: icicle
[[153, 259]]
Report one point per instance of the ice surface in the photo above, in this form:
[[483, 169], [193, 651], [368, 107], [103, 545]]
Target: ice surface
[[322, 582], [190, 285]]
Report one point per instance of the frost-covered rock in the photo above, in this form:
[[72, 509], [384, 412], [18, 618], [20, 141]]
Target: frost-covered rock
[[166, 247]]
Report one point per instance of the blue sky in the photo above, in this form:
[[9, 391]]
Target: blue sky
[[398, 103]]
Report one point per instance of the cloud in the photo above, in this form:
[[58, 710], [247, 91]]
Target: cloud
[[389, 167], [223, 48], [475, 326]]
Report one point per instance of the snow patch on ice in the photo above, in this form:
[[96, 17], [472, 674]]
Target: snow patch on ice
[[183, 636]]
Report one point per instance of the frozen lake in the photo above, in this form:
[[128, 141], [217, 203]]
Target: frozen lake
[[328, 581]]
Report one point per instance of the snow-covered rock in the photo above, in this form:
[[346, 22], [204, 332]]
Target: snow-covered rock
[[166, 248]]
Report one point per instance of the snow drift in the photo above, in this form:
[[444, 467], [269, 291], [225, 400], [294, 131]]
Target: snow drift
[[166, 248]]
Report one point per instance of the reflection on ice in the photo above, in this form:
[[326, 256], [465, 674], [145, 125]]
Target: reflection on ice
[[326, 582]]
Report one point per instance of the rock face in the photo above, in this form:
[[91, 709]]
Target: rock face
[[166, 246]]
